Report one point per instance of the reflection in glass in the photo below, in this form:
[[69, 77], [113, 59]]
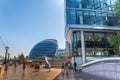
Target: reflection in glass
[[96, 44], [44, 48]]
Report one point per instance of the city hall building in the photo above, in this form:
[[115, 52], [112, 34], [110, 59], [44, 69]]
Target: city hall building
[[89, 25], [45, 48]]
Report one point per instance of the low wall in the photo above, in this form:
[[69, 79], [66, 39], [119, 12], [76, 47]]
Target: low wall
[[106, 68], [2, 72]]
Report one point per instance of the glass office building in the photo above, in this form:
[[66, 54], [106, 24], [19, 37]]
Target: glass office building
[[44, 48], [89, 25]]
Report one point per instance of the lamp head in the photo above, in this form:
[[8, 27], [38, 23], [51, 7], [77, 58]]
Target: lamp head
[[7, 47]]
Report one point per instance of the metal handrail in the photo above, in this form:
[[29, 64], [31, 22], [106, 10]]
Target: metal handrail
[[101, 60]]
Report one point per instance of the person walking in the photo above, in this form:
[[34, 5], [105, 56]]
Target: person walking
[[66, 66], [69, 65], [49, 67], [38, 66], [75, 65], [0, 68], [24, 65], [63, 66], [15, 64]]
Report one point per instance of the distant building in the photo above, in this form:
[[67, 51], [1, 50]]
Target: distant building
[[60, 52], [1, 57], [68, 48], [44, 48], [21, 56]]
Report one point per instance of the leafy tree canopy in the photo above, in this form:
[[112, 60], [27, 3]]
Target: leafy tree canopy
[[115, 40]]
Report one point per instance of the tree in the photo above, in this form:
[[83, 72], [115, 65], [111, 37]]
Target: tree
[[115, 40], [65, 56], [117, 8]]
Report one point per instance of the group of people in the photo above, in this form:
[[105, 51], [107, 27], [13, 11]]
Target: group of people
[[24, 65], [68, 66], [36, 66]]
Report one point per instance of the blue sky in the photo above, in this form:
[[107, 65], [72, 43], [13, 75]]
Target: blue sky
[[24, 23]]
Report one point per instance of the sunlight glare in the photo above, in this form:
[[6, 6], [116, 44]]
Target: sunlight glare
[[60, 2]]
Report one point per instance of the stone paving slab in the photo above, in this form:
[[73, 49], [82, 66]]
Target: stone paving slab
[[30, 74], [2, 72], [78, 75], [44, 74]]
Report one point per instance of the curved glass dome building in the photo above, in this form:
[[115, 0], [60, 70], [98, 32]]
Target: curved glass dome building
[[46, 47]]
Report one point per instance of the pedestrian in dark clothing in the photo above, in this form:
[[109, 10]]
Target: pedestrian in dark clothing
[[0, 68], [75, 65], [24, 66], [35, 66], [63, 66], [15, 64], [38, 66], [66, 66]]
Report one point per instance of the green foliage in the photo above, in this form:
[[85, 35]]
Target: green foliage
[[115, 40], [65, 56], [117, 8]]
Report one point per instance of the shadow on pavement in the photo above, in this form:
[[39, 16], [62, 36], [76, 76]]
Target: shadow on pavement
[[78, 75]]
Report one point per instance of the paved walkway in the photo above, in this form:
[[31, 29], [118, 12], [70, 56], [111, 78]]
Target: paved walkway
[[30, 74], [78, 75], [44, 74]]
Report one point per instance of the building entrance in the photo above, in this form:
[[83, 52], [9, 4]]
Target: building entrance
[[97, 45]]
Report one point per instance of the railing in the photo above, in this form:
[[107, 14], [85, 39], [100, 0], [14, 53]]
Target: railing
[[106, 68]]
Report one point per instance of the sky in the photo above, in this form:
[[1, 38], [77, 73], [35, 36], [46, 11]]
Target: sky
[[24, 23]]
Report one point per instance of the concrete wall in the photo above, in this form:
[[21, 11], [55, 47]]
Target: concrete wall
[[106, 68]]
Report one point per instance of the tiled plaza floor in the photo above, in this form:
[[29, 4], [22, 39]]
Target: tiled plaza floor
[[78, 75], [44, 74], [30, 74]]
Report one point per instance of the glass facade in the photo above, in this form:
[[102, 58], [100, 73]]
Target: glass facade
[[90, 12], [89, 25], [46, 47], [96, 44]]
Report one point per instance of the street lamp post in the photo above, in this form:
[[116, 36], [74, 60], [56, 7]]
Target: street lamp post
[[6, 48]]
